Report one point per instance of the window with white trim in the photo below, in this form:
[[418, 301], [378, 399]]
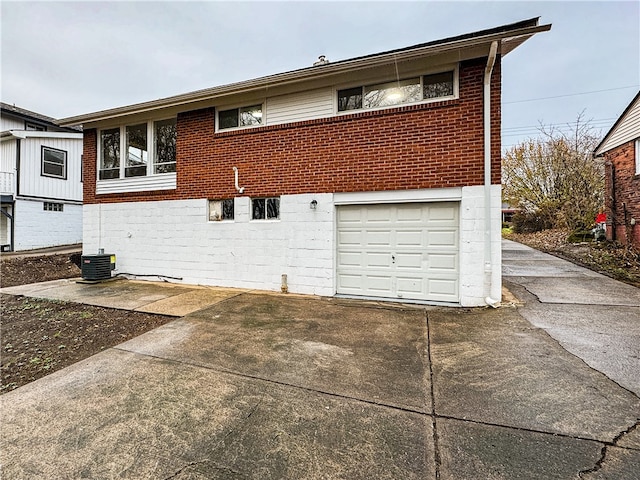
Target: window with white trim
[[165, 132], [54, 163], [221, 210], [240, 117], [265, 208], [436, 86], [140, 142], [638, 156]]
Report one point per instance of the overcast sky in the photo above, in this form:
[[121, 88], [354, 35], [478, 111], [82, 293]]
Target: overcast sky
[[65, 59]]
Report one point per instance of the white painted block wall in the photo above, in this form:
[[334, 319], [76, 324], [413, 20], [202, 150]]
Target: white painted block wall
[[474, 279], [175, 240], [37, 228]]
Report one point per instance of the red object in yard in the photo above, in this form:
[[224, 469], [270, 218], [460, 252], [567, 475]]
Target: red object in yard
[[601, 218]]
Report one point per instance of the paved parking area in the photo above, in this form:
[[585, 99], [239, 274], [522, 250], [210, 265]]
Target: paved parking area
[[256, 385]]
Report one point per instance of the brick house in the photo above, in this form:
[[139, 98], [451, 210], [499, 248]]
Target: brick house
[[621, 151], [367, 177]]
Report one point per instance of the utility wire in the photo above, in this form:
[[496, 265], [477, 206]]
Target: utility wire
[[600, 121], [569, 95]]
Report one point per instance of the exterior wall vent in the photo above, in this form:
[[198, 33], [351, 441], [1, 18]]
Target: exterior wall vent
[[98, 267]]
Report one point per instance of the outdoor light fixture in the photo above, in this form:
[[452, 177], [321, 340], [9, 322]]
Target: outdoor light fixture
[[313, 204]]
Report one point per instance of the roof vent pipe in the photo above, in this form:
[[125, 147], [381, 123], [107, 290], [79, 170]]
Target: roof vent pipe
[[322, 60]]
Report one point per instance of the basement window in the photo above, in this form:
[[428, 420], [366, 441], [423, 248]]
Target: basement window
[[265, 208], [221, 210], [52, 207]]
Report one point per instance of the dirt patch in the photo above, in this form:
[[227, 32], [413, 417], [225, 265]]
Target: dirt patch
[[20, 271], [40, 337], [609, 258]]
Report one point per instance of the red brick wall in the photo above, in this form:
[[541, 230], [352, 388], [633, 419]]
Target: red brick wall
[[418, 146], [621, 163]]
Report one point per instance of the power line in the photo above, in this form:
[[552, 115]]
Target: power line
[[598, 121], [569, 95]]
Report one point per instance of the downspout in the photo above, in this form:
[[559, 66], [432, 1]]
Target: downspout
[[18, 167], [488, 270]]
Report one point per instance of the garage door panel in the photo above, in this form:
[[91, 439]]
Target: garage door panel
[[350, 215], [350, 238], [443, 288], [379, 284], [406, 261], [349, 259], [410, 287], [443, 214], [410, 238], [378, 214], [350, 282], [443, 262], [408, 251], [377, 260], [443, 238], [377, 238], [410, 214]]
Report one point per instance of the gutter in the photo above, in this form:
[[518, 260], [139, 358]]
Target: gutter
[[488, 270]]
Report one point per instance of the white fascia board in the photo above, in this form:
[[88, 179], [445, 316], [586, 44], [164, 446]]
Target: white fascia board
[[23, 134], [399, 196], [632, 110], [297, 76]]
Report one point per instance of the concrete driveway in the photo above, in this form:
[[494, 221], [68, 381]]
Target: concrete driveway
[[256, 385], [591, 315]]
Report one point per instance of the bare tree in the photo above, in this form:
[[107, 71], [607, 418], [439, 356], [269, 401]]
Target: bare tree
[[555, 178]]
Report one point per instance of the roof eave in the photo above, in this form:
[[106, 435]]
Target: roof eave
[[597, 152], [510, 39]]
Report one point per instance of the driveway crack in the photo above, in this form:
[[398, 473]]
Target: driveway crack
[[188, 465], [605, 450], [436, 448]]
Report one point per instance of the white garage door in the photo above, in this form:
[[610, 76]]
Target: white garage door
[[407, 251]]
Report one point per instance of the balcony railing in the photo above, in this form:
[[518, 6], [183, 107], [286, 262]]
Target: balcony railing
[[7, 183]]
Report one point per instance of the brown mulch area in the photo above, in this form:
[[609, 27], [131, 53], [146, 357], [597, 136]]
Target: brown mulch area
[[42, 336], [611, 259]]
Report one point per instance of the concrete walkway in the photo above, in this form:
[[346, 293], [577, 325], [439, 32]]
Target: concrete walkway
[[270, 386]]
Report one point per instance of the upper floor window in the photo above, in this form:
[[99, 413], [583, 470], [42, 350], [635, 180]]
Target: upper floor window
[[409, 90], [34, 127], [165, 146], [54, 163], [638, 156], [240, 117], [140, 142]]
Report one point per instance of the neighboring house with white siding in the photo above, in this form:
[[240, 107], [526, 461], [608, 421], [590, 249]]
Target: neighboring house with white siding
[[621, 150], [40, 181], [373, 177]]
